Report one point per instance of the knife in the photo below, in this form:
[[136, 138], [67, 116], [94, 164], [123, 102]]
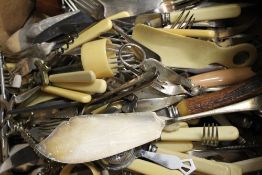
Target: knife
[[154, 104], [53, 27]]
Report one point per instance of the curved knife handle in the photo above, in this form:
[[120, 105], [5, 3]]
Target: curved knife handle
[[148, 168], [227, 96], [222, 77]]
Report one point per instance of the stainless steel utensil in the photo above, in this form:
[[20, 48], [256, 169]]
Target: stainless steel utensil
[[172, 162], [210, 135]]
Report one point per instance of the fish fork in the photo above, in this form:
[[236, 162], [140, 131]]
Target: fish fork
[[210, 135], [184, 21]]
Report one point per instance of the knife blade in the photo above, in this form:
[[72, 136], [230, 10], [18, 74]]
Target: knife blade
[[154, 104]]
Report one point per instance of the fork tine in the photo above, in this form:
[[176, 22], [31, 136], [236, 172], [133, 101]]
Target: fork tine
[[212, 139], [178, 19], [216, 137], [181, 24], [188, 22], [191, 22], [204, 135]]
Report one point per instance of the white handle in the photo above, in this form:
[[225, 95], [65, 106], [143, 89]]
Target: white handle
[[174, 146], [192, 32], [225, 133], [98, 86], [95, 31], [148, 168], [72, 95], [250, 165], [79, 76]]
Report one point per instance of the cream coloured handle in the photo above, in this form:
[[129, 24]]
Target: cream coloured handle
[[206, 13], [98, 86], [225, 133], [222, 77], [69, 94], [90, 34], [95, 31], [192, 32], [174, 146], [203, 165], [192, 53], [148, 168], [42, 97], [79, 76], [234, 169], [250, 165]]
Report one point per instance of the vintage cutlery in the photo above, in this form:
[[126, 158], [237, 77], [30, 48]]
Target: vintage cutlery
[[192, 53]]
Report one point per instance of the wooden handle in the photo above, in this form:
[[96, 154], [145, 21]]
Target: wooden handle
[[174, 146], [225, 133], [98, 86], [192, 32], [222, 77], [148, 168], [205, 166], [79, 77], [250, 165], [227, 96], [72, 95]]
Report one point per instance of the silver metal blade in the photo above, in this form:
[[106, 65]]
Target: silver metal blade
[[154, 104]]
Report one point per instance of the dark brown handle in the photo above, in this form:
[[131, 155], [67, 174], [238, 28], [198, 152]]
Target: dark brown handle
[[49, 7], [230, 95]]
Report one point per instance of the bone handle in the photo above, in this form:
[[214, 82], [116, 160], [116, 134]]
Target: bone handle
[[225, 133], [192, 32], [95, 31], [98, 86], [148, 168], [222, 77], [72, 95], [79, 76], [174, 146], [250, 165]]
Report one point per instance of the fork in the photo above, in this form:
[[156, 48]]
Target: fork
[[184, 21], [210, 135]]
